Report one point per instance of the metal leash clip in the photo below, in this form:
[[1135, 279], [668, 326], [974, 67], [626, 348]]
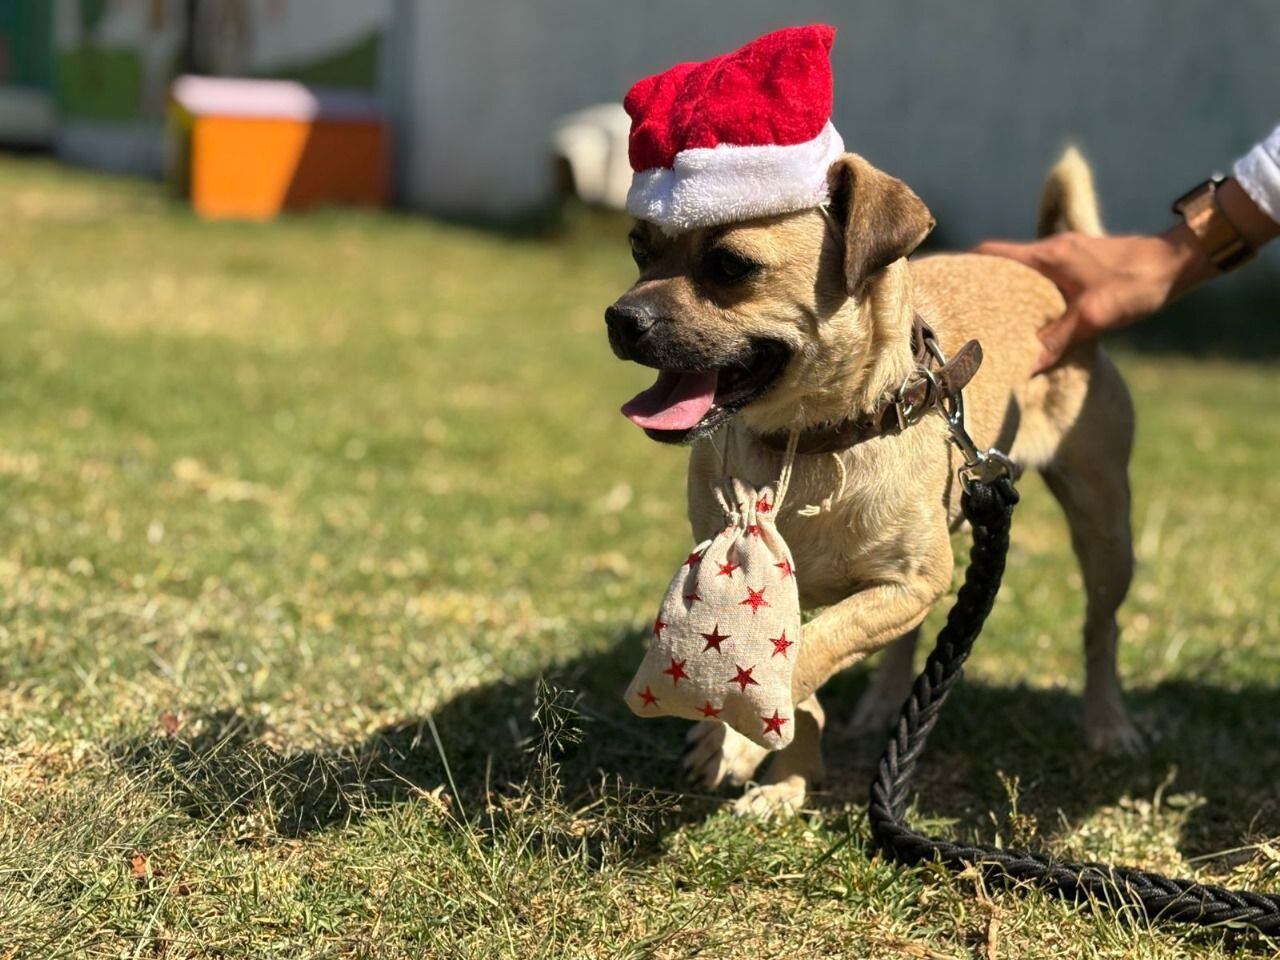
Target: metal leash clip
[[978, 466]]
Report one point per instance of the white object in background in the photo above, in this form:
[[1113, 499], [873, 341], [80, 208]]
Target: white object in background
[[275, 99], [592, 143]]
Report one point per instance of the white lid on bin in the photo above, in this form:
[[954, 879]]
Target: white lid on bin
[[272, 99]]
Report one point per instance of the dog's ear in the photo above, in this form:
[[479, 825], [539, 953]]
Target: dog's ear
[[880, 217]]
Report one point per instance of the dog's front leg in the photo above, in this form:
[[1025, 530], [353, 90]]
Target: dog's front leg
[[867, 621], [840, 636]]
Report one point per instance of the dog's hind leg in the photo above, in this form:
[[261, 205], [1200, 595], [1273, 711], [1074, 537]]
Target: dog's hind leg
[[878, 706], [716, 754], [1089, 475]]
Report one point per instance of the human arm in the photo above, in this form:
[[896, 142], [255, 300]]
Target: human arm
[[1111, 282]]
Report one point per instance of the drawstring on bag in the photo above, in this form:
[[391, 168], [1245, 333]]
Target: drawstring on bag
[[784, 474], [814, 509]]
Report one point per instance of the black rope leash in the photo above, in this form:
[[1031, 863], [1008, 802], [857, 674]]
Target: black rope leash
[[988, 504]]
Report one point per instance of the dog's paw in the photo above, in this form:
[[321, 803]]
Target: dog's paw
[[718, 754], [1115, 737], [767, 800]]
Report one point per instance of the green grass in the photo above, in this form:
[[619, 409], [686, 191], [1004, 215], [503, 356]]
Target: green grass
[[294, 516]]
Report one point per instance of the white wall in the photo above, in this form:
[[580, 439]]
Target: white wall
[[968, 100]]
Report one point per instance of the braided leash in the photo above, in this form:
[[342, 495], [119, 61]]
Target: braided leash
[[988, 504]]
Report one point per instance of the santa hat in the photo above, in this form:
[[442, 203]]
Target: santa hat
[[744, 135]]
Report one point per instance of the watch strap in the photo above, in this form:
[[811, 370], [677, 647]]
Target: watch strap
[[1217, 235]]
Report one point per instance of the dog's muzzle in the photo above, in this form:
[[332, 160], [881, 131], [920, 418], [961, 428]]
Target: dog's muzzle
[[627, 326]]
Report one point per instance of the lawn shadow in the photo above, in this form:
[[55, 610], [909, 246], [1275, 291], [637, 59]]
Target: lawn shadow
[[1219, 747], [480, 747]]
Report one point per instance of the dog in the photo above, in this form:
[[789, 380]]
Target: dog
[[802, 320]]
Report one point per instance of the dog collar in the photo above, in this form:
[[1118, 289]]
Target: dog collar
[[935, 381]]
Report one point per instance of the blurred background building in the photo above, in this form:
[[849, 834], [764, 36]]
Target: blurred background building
[[104, 67], [969, 102]]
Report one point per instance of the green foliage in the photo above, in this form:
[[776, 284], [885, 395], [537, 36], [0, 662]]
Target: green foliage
[[296, 515], [96, 83]]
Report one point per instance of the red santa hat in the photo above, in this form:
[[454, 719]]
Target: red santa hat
[[744, 135]]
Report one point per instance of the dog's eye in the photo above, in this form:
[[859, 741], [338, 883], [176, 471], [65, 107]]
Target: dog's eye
[[638, 252], [726, 268]]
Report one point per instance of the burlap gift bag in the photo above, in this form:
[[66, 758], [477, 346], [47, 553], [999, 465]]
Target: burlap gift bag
[[725, 639]]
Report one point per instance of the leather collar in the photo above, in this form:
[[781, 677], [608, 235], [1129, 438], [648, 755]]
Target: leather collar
[[935, 381]]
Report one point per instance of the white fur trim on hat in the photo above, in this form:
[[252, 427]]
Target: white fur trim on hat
[[706, 186]]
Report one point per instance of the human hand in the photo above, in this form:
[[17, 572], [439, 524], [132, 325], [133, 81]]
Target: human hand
[[1111, 282], [1107, 282]]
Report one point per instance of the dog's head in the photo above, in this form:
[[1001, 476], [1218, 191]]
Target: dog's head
[[750, 317]]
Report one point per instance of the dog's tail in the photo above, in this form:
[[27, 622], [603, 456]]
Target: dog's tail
[[1068, 200]]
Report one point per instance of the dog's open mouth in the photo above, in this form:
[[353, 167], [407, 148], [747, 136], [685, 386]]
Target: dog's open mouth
[[685, 404]]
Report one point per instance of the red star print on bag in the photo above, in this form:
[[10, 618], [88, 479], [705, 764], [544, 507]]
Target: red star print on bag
[[724, 642]]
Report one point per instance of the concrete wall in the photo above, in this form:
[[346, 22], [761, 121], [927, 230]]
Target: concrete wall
[[968, 100]]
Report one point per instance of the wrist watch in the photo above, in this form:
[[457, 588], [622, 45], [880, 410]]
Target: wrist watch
[[1217, 235]]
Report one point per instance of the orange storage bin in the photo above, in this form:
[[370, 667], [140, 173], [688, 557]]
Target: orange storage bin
[[249, 149]]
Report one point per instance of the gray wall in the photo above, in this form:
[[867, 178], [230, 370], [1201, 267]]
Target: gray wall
[[968, 100]]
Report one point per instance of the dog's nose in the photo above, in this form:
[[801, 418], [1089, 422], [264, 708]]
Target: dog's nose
[[627, 324]]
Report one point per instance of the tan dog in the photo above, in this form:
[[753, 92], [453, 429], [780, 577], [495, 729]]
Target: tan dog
[[803, 320]]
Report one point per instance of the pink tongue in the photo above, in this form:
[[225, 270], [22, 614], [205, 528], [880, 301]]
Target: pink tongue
[[677, 401]]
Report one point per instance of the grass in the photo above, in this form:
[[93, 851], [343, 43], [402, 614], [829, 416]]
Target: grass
[[295, 516]]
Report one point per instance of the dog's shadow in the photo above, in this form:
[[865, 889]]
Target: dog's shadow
[[1224, 746], [492, 741]]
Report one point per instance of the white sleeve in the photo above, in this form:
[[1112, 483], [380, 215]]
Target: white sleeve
[[1258, 172]]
